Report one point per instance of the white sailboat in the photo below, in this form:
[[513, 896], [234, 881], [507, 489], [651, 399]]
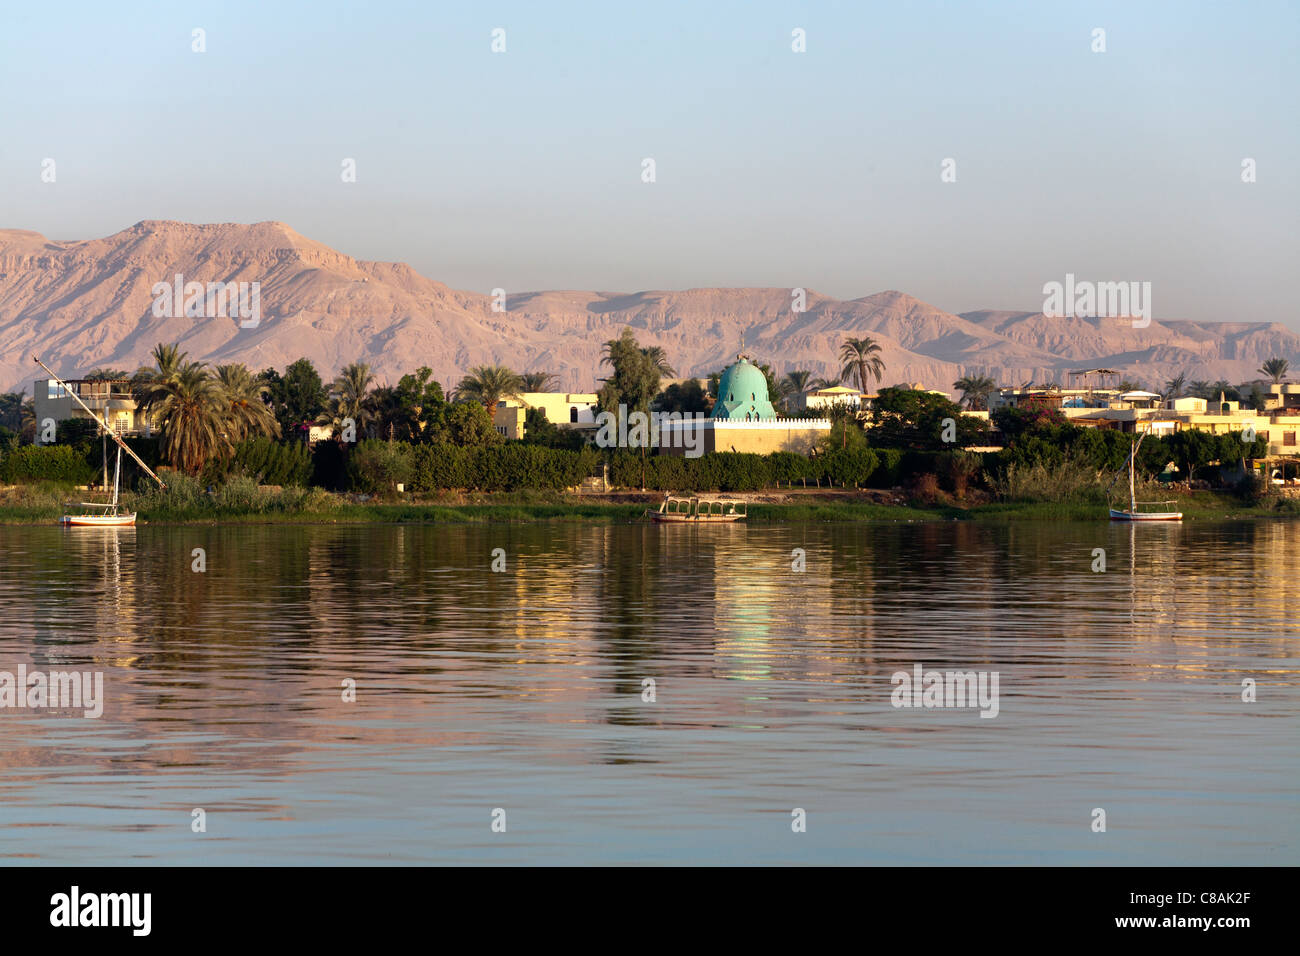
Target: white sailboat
[[96, 514], [101, 514], [1133, 514]]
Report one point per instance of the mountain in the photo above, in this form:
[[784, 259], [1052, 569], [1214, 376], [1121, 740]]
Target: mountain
[[88, 304]]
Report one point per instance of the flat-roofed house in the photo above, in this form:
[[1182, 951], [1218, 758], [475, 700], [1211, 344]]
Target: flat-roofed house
[[564, 409], [111, 399]]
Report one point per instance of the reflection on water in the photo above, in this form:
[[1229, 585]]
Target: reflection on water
[[524, 690]]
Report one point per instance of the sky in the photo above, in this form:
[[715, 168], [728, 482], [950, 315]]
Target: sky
[[821, 169]]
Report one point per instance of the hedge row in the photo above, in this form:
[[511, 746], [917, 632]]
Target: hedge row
[[376, 466], [275, 462], [62, 463]]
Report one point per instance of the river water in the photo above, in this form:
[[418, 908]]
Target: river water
[[653, 694]]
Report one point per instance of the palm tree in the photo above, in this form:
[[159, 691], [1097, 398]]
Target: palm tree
[[795, 383], [860, 357], [11, 409], [488, 385], [351, 395], [658, 360], [1175, 385], [819, 383], [27, 420], [190, 406], [1200, 389], [539, 381], [975, 390], [242, 397], [1275, 369], [150, 384]]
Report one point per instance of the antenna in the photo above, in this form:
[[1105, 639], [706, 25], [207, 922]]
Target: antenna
[[102, 424]]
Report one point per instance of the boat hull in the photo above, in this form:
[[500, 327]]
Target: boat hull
[[694, 519], [98, 521], [1145, 516]]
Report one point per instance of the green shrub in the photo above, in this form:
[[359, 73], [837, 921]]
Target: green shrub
[[241, 494], [274, 462], [61, 463], [849, 467], [889, 468], [377, 467]]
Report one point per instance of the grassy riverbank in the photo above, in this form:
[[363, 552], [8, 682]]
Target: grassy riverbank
[[43, 504]]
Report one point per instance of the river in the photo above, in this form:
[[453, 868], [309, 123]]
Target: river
[[654, 694]]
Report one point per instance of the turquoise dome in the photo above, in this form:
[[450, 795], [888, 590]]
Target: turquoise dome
[[743, 392]]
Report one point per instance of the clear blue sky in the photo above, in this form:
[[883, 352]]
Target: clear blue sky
[[821, 169]]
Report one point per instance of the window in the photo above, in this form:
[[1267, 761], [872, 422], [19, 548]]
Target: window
[[573, 413], [1288, 438], [56, 390]]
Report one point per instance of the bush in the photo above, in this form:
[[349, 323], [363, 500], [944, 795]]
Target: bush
[[61, 463], [849, 467], [274, 462], [889, 470], [241, 494], [377, 467], [329, 466], [1070, 481]]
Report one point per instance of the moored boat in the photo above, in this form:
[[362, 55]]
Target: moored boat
[[1132, 513], [676, 510], [107, 519]]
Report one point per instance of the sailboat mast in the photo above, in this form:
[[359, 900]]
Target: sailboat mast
[[1132, 494], [117, 476]]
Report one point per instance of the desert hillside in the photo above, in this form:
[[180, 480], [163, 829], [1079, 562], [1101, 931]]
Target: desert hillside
[[87, 304]]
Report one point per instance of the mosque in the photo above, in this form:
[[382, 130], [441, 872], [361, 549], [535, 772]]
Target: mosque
[[744, 420]]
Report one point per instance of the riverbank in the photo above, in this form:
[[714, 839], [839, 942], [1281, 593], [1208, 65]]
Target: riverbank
[[43, 504]]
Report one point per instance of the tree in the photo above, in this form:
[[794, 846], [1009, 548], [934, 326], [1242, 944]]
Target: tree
[[658, 360], [11, 410], [911, 418], [488, 385], [1275, 370], [975, 391], [715, 382], [636, 374], [302, 397], [1229, 392], [243, 399], [106, 374], [860, 357], [1174, 387], [350, 396], [466, 424], [821, 383], [1031, 414], [538, 429], [152, 385], [27, 421], [190, 408], [1192, 448], [686, 397], [538, 381], [795, 383]]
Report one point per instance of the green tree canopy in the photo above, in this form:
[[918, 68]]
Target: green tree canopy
[[911, 418]]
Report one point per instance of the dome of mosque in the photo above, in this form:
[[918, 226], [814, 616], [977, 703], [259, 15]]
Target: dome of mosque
[[742, 394]]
